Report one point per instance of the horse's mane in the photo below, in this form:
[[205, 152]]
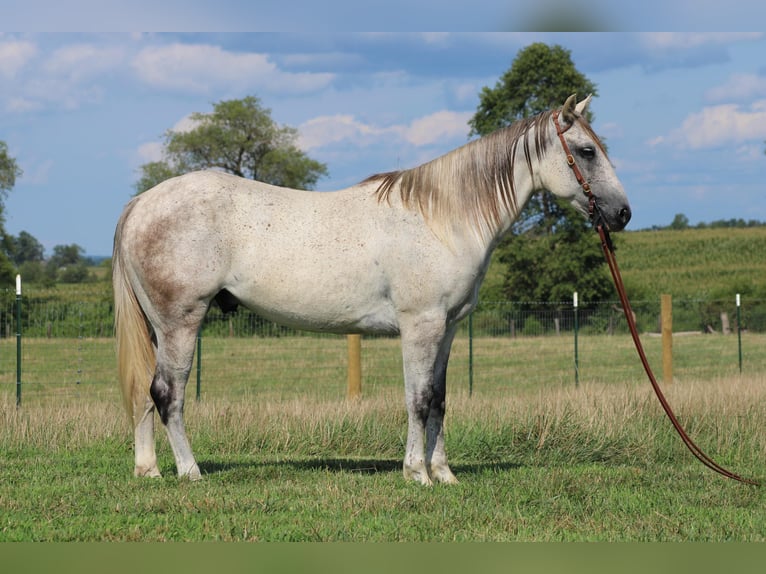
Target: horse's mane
[[473, 183]]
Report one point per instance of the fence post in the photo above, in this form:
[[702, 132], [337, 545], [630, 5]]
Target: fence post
[[739, 333], [18, 340], [576, 328], [470, 355], [666, 313], [354, 389]]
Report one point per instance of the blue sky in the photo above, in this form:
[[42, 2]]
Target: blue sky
[[684, 114]]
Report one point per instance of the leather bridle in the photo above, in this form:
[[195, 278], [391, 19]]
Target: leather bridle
[[608, 248], [576, 170]]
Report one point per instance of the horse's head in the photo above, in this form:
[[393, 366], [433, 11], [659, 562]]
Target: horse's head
[[581, 171]]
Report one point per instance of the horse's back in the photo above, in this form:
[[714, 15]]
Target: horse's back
[[302, 258]]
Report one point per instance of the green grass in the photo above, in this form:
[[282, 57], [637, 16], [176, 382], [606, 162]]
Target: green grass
[[599, 465], [286, 457]]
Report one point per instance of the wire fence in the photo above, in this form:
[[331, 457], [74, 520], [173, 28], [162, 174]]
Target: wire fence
[[67, 348]]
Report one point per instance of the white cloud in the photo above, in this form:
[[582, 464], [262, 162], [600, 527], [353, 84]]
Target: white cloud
[[155, 150], [201, 68], [436, 127], [21, 105], [326, 130], [65, 78], [79, 61], [14, 56], [717, 126], [185, 124], [739, 87], [751, 152], [150, 152], [687, 40]]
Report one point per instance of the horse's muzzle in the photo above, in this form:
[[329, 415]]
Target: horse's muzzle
[[613, 219], [623, 217]]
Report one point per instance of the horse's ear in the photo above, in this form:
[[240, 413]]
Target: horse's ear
[[568, 111], [583, 105]]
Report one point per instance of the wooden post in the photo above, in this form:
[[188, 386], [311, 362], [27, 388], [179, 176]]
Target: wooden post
[[725, 327], [666, 313], [354, 366]]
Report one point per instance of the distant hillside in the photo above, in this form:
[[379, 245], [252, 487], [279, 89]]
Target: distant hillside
[[711, 263], [693, 263]]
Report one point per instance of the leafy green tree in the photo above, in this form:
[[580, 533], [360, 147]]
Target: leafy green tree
[[239, 137], [68, 264], [155, 172], [680, 221], [542, 268], [9, 171], [25, 248], [550, 250]]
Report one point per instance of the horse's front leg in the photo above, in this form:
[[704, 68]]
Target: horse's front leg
[[436, 456], [425, 350]]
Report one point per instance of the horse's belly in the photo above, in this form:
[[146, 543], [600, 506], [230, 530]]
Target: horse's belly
[[323, 311]]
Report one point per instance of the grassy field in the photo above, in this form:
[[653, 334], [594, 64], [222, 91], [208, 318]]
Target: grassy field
[[691, 264], [286, 457], [695, 263]]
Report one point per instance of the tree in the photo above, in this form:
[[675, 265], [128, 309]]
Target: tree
[[680, 221], [155, 172], [551, 267], [26, 253], [68, 264], [25, 248], [238, 137], [550, 246], [9, 171]]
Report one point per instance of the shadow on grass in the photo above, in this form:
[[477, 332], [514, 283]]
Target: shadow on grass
[[361, 466]]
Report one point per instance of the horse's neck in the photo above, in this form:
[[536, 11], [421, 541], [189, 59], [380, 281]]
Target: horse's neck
[[526, 183]]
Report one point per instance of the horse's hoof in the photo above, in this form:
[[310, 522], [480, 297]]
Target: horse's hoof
[[151, 472], [443, 475], [418, 475], [193, 474]]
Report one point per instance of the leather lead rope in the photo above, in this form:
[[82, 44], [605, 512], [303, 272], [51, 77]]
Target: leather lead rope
[[606, 245], [608, 249]]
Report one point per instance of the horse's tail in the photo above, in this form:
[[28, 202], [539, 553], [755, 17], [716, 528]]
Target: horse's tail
[[135, 352]]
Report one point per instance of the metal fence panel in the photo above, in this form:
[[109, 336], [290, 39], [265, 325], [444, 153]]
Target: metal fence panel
[[68, 347]]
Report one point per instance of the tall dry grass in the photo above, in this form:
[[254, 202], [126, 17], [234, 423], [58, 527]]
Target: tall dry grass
[[621, 424]]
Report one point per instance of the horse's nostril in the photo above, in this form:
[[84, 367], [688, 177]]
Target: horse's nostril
[[624, 215]]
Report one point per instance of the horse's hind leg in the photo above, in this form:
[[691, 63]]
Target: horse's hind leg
[[146, 457], [175, 352]]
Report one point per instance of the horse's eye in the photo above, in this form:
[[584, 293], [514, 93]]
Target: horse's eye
[[587, 152]]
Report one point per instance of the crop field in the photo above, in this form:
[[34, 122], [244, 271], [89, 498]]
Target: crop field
[[694, 262], [286, 457]]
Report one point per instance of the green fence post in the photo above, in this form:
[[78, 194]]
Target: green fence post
[[470, 355], [739, 333], [576, 328], [199, 362], [18, 340]]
